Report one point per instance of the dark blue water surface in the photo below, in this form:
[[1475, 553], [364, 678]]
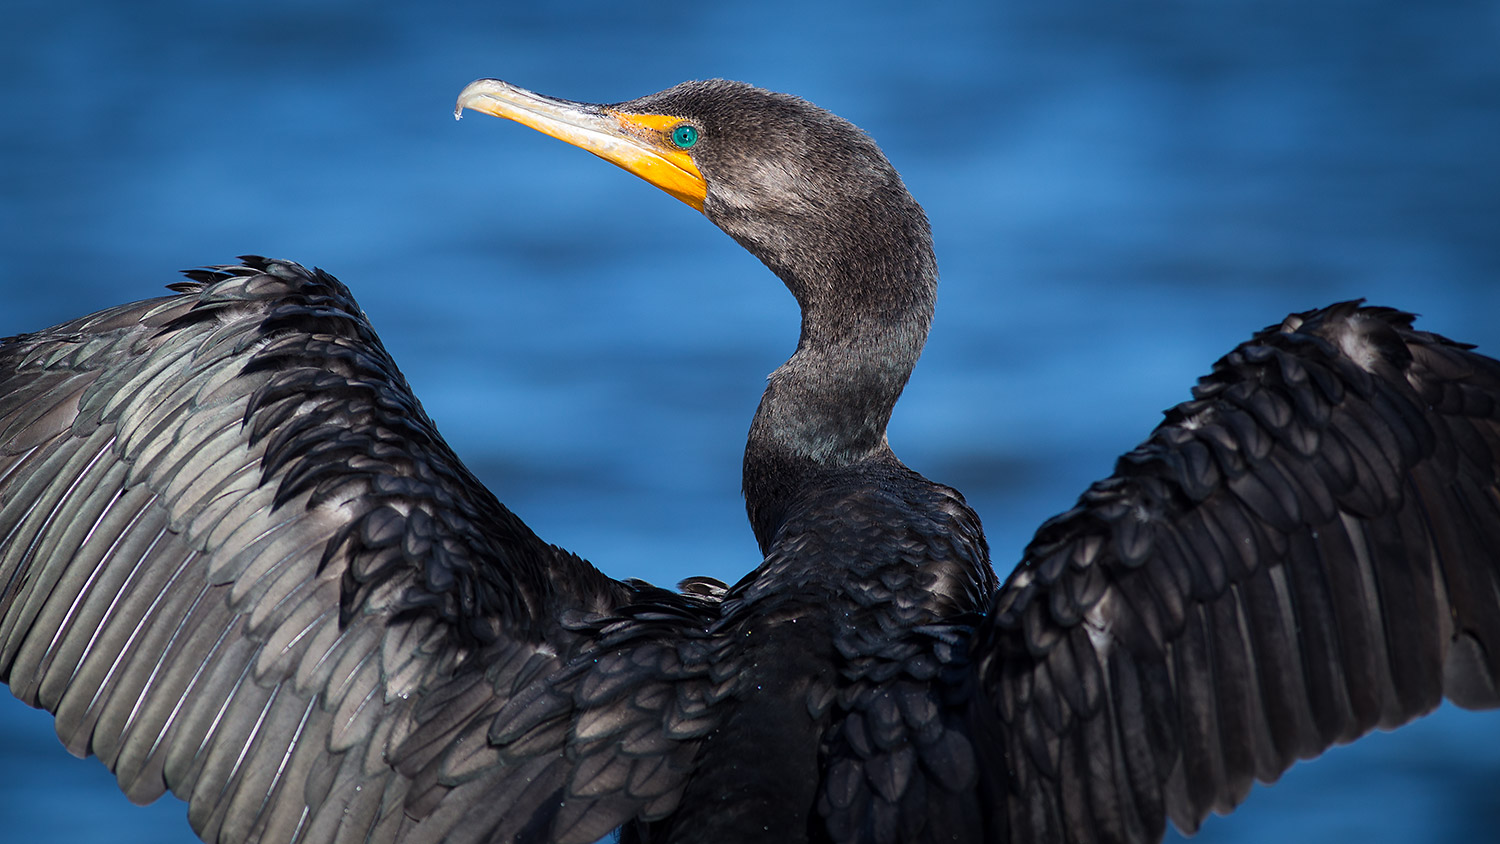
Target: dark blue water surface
[[1120, 192]]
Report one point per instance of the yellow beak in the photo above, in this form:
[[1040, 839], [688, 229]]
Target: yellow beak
[[639, 143]]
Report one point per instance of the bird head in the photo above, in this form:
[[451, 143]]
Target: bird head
[[800, 187]]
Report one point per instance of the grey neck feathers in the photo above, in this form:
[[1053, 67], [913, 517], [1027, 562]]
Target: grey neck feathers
[[867, 304]]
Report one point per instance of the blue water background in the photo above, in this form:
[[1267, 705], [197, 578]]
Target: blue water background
[[1120, 193]]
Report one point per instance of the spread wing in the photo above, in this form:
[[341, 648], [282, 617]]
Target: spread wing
[[1306, 551], [238, 562]]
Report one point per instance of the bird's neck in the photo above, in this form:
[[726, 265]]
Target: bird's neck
[[865, 319]]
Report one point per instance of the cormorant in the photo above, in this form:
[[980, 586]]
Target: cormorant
[[238, 562]]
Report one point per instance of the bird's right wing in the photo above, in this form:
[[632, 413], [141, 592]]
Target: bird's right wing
[[1307, 551], [238, 562]]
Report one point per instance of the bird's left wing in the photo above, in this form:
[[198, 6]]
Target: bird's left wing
[[1306, 551], [238, 562]]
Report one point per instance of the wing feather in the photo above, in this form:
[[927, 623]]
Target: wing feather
[[238, 563], [1308, 550]]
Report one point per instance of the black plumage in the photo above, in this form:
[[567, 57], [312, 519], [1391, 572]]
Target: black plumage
[[239, 562]]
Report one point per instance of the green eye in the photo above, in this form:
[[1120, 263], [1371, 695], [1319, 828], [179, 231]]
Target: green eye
[[685, 136]]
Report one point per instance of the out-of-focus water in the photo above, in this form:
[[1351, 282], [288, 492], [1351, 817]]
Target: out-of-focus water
[[1119, 193]]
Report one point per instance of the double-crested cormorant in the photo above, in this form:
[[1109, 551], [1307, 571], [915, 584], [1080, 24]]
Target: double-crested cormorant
[[238, 562]]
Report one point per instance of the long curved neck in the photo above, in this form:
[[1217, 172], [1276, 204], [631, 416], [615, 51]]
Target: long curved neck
[[867, 294]]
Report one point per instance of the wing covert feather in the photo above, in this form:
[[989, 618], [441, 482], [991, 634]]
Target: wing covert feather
[[239, 563], [1304, 552]]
